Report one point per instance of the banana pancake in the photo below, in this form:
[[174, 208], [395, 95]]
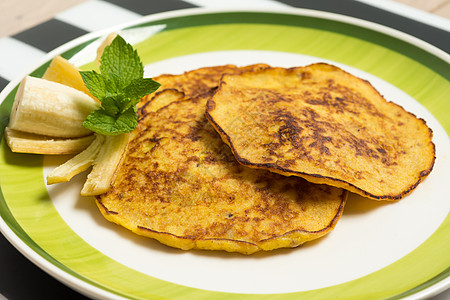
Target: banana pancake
[[192, 83], [181, 185], [325, 125]]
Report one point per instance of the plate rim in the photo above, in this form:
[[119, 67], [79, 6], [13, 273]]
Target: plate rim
[[90, 290]]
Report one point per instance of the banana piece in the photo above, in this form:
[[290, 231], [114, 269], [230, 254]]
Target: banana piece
[[62, 71], [105, 165], [23, 142], [108, 40], [50, 108], [78, 163], [47, 118]]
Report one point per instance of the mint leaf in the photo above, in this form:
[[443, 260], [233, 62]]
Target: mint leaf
[[112, 105], [138, 88], [121, 59], [119, 86], [95, 82], [101, 122], [114, 85]]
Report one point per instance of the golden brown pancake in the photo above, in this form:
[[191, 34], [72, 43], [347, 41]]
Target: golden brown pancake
[[193, 83], [181, 185], [325, 125]]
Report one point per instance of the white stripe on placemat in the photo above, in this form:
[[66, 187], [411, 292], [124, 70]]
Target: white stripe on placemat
[[238, 3], [410, 12], [17, 57], [95, 15]]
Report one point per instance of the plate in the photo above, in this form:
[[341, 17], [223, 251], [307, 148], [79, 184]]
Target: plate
[[377, 251]]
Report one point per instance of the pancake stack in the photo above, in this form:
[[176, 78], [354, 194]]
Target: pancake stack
[[254, 158]]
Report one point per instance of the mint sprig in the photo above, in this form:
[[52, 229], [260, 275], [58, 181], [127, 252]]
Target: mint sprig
[[119, 86]]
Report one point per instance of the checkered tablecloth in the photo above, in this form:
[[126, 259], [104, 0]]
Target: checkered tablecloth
[[22, 50]]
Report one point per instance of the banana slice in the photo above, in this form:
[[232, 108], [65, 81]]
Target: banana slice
[[23, 142], [62, 71], [47, 118], [48, 108], [78, 163], [105, 165], [108, 40]]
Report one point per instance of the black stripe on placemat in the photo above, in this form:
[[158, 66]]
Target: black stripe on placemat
[[3, 83], [49, 35], [21, 279], [146, 7], [435, 36]]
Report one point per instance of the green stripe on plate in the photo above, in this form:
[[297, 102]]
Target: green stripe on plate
[[27, 209]]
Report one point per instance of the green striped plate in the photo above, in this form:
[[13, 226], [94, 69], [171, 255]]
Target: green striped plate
[[377, 251]]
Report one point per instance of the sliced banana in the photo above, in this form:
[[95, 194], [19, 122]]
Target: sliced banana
[[105, 165], [23, 142], [63, 71], [78, 163], [47, 117], [48, 108], [108, 40]]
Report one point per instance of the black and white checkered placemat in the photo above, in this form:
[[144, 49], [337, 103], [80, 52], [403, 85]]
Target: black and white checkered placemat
[[22, 50]]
